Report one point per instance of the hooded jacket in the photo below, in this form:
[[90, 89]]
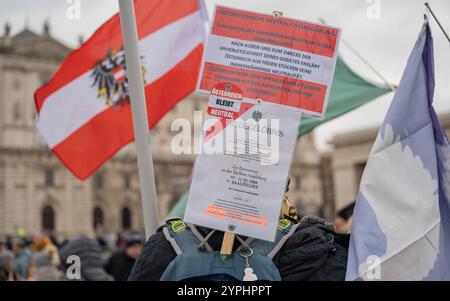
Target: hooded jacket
[[90, 254], [313, 252]]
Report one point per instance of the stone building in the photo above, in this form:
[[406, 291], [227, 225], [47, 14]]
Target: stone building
[[38, 194], [348, 159]]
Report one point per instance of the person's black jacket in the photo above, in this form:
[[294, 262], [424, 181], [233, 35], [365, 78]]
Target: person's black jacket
[[119, 266], [313, 252]]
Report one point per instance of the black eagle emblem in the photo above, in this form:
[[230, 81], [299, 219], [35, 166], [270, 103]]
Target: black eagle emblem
[[109, 77], [257, 115]]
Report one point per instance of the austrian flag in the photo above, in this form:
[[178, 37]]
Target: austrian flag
[[84, 113]]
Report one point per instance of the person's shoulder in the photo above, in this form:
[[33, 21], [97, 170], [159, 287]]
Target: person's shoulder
[[155, 256], [324, 228], [315, 221], [313, 230], [312, 252]]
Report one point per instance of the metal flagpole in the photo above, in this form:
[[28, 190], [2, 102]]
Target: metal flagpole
[[389, 85], [140, 119], [437, 21]]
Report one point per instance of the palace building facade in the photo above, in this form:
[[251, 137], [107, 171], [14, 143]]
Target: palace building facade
[[39, 194]]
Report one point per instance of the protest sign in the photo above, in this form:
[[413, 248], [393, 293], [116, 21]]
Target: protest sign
[[239, 179], [258, 87], [280, 60]]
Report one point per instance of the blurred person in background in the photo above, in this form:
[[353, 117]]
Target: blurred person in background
[[120, 242], [45, 261], [343, 219], [111, 242], [63, 243], [121, 263], [9, 242], [3, 244], [105, 249], [22, 258], [55, 241], [89, 252], [7, 266], [6, 262]]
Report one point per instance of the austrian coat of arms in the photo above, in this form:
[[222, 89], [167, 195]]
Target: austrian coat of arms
[[109, 77]]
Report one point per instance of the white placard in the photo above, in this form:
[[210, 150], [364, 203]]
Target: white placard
[[241, 188]]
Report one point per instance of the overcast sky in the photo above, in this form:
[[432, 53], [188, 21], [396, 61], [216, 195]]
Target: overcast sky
[[385, 41]]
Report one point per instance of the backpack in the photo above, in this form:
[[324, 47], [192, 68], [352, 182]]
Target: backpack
[[196, 260]]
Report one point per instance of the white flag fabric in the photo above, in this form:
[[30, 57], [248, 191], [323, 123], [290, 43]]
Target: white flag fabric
[[401, 223]]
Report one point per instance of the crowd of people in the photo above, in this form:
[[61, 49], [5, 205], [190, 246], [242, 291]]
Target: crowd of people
[[43, 258]]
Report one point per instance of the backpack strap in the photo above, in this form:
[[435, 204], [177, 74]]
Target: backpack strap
[[172, 241], [281, 242], [203, 240], [173, 227], [176, 230], [283, 228]]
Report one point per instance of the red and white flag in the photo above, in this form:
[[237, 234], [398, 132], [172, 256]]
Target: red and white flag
[[84, 114]]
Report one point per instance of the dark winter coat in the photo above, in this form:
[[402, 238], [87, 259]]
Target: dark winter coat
[[313, 252], [119, 266]]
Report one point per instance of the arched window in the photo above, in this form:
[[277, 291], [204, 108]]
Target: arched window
[[48, 219], [126, 218], [98, 217]]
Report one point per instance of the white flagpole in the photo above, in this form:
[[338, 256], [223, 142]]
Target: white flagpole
[[140, 120]]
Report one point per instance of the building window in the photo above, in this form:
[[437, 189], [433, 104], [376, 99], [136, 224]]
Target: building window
[[49, 178], [48, 219], [98, 218], [98, 181], [126, 218], [127, 181]]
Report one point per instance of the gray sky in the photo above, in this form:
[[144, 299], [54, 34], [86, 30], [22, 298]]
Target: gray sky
[[385, 41]]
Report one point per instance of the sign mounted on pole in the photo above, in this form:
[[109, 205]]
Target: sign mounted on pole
[[262, 73], [280, 60]]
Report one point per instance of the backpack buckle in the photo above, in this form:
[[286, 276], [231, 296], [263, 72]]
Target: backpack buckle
[[177, 225], [283, 224]]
